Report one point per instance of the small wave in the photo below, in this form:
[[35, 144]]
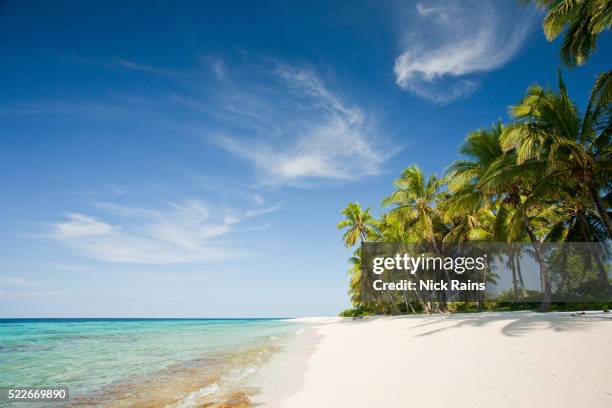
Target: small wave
[[195, 398], [228, 380], [240, 373]]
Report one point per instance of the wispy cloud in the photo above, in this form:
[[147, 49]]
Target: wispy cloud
[[82, 226], [447, 43], [147, 68], [180, 232], [130, 64], [295, 130], [286, 120]]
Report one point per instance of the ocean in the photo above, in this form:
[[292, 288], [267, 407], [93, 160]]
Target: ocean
[[139, 362]]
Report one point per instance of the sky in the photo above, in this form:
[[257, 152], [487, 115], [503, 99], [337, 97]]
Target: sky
[[191, 159]]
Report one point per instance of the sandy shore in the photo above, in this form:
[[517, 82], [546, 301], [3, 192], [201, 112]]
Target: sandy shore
[[517, 359]]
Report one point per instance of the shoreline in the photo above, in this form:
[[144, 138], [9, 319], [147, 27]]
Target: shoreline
[[142, 363], [505, 359], [282, 375]]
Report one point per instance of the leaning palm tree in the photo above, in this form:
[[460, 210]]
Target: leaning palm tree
[[582, 20], [359, 224]]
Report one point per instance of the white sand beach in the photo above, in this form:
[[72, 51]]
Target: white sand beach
[[517, 359]]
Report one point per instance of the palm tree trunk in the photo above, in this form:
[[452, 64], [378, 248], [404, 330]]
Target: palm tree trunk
[[421, 301], [602, 211], [514, 279], [601, 271], [546, 300], [443, 298], [409, 307], [520, 276], [564, 272], [602, 274]]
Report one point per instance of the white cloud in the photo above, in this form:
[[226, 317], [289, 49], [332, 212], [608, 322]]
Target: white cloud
[[284, 119], [447, 43], [262, 210], [82, 226], [181, 232], [296, 131]]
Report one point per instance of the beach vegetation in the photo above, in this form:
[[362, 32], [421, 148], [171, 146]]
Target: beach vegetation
[[580, 22], [542, 177]]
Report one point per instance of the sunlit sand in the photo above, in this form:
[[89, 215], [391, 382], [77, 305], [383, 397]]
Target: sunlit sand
[[513, 359]]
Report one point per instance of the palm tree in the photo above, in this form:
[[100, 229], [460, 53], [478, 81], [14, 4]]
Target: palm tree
[[475, 226], [359, 224], [490, 178], [573, 221], [389, 228], [355, 286], [582, 20], [482, 149], [480, 206], [544, 177], [575, 149], [513, 183], [416, 213], [415, 203]]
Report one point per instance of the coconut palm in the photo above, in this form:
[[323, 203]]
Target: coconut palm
[[575, 148], [544, 177], [414, 201], [513, 183], [482, 207], [355, 282], [481, 149], [359, 224], [582, 20], [491, 178], [415, 209], [476, 226]]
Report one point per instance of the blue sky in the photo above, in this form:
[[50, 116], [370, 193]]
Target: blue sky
[[192, 158]]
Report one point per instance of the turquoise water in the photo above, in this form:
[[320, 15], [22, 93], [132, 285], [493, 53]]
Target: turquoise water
[[96, 356]]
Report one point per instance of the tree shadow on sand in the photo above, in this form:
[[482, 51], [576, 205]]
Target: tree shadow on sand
[[518, 324]]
